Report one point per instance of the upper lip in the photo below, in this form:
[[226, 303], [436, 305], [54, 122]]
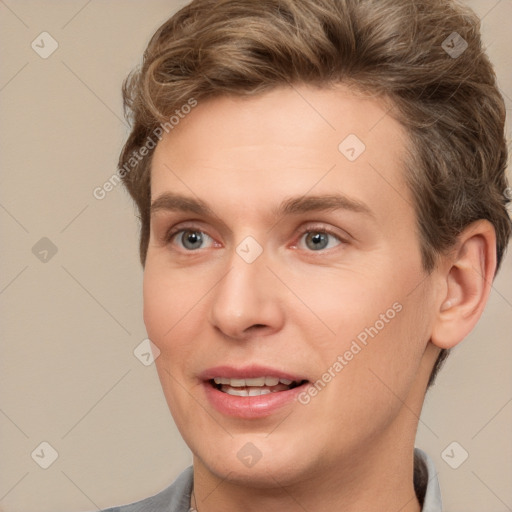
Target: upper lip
[[248, 372]]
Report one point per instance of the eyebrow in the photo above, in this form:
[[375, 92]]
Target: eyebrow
[[169, 201], [176, 202], [329, 202]]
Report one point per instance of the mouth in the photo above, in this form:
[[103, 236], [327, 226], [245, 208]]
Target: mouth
[[256, 386], [250, 392]]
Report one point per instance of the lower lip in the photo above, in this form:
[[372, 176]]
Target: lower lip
[[249, 407]]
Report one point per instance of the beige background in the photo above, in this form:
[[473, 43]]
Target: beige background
[[68, 374]]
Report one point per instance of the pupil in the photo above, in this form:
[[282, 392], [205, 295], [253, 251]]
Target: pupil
[[192, 239], [317, 241]]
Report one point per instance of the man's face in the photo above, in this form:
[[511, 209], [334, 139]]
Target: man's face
[[266, 282]]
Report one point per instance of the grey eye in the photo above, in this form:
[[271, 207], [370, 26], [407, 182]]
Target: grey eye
[[191, 239], [316, 240]]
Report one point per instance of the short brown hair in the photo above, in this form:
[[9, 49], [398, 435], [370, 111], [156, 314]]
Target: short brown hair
[[412, 53]]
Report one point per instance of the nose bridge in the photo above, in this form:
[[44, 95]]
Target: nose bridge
[[246, 296]]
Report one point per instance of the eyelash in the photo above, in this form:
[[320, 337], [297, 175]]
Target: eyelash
[[169, 237]]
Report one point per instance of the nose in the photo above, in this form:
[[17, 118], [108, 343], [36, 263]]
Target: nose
[[248, 301]]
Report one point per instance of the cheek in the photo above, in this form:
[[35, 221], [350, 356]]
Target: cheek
[[375, 377], [372, 319], [156, 303], [165, 303], [174, 313], [168, 304], [344, 301], [391, 344]]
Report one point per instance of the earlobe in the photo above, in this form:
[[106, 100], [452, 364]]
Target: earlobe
[[467, 279]]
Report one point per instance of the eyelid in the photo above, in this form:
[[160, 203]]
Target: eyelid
[[171, 233], [192, 225], [300, 232], [322, 228], [180, 232]]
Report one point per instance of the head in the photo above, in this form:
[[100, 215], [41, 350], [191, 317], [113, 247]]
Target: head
[[242, 106]]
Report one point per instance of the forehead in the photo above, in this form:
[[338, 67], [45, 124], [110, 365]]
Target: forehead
[[289, 141]]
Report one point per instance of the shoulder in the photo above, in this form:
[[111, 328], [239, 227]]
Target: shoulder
[[175, 498]]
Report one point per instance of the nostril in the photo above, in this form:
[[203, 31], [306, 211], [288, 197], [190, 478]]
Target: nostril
[[256, 327]]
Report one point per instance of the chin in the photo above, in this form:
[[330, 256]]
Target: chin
[[252, 460]]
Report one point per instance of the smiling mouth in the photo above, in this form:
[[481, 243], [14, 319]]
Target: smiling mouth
[[254, 386]]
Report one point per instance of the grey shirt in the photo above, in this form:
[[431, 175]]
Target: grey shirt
[[176, 498]]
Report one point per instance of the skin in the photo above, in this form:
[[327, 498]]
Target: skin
[[297, 309]]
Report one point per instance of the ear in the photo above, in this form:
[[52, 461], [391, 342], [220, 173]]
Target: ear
[[466, 276]]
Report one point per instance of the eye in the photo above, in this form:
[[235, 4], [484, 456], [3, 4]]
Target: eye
[[190, 239], [317, 240]]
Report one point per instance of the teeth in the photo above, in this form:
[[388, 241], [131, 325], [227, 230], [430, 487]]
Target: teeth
[[258, 392], [254, 386], [245, 392], [256, 382], [259, 381], [236, 392]]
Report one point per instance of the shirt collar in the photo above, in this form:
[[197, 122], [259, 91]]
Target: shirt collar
[[426, 482]]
